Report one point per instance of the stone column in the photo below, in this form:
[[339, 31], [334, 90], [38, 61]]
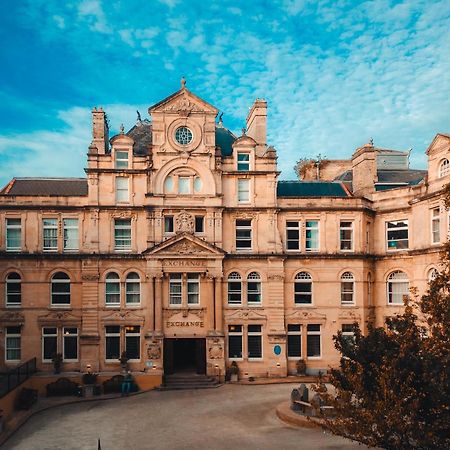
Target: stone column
[[158, 304], [209, 304], [151, 304], [219, 303]]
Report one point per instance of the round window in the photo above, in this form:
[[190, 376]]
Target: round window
[[183, 135]]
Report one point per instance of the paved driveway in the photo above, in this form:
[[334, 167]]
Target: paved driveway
[[230, 417]]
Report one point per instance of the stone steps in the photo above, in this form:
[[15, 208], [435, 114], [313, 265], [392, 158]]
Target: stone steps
[[188, 381]]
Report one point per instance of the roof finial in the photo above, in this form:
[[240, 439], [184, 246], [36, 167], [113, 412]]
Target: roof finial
[[183, 82], [121, 128], [139, 120], [371, 142], [220, 119]]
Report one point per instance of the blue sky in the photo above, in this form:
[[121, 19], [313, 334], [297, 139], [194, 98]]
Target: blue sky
[[334, 73]]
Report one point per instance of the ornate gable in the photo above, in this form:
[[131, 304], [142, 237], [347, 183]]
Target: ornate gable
[[440, 142]]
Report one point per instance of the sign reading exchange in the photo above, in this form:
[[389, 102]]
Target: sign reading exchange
[[185, 323], [184, 263]]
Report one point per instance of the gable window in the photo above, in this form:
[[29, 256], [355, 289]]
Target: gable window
[[175, 292], [397, 287], [243, 162], [313, 344], [312, 235], [444, 168], [122, 234], [435, 226], [254, 289], [243, 190], [254, 342], [60, 289], [397, 235], [303, 289], [294, 341], [50, 235], [234, 289], [293, 235], [13, 289], [13, 235], [13, 344], [133, 289], [70, 230], [112, 289], [121, 159], [199, 224], [346, 236], [122, 191], [234, 341], [243, 234], [347, 289]]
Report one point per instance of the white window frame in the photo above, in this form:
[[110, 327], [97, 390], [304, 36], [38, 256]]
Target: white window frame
[[243, 190], [235, 333], [186, 184], [347, 334], [70, 225], [344, 227], [255, 278], [11, 282], [294, 333], [234, 277], [436, 225], [174, 280], [396, 277], [257, 334], [444, 168], [122, 185], [70, 336], [303, 277], [112, 278], [122, 244], [13, 224], [193, 281], [8, 348], [48, 335], [245, 228], [55, 281], [132, 288], [314, 333], [395, 228], [243, 165], [130, 334], [120, 162], [313, 229], [169, 222], [50, 228], [293, 230], [111, 334], [347, 278]]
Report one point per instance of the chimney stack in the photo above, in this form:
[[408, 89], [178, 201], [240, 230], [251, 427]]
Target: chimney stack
[[100, 131], [257, 122], [364, 167]]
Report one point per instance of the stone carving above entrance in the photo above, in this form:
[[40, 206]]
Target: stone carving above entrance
[[184, 223], [215, 349], [154, 350], [170, 312]]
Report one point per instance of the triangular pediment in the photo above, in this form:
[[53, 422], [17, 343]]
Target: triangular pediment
[[183, 101], [245, 314], [185, 244], [439, 142]]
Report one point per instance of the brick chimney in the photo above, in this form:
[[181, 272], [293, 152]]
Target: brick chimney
[[100, 131], [364, 167], [257, 122]]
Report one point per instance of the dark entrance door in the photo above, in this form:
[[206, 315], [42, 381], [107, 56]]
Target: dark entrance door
[[184, 355]]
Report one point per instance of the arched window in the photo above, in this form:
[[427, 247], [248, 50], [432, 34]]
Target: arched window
[[132, 289], [347, 289], [444, 168], [60, 289], [254, 289], [112, 289], [303, 289], [13, 289], [397, 287], [234, 289], [432, 274]]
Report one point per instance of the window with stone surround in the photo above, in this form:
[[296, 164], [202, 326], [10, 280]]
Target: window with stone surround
[[121, 159], [254, 342], [253, 288], [13, 290], [397, 234], [122, 190], [397, 287], [234, 289], [312, 235], [294, 341], [243, 234], [122, 234], [13, 344], [112, 289], [292, 235], [346, 236], [60, 289], [50, 235], [235, 342], [435, 225], [13, 235], [313, 341], [243, 190], [132, 289], [444, 168], [347, 289], [70, 233], [303, 289], [243, 162]]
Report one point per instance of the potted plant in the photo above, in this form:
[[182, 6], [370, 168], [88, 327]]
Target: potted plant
[[89, 378], [234, 371], [124, 361], [301, 367], [57, 362]]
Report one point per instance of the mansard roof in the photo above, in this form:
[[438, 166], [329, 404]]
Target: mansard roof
[[311, 189], [62, 187], [224, 139]]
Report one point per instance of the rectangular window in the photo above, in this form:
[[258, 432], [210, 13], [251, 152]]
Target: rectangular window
[[234, 341], [112, 343], [234, 289], [243, 162], [70, 234], [122, 194], [13, 235], [293, 235], [348, 332], [312, 236], [50, 235], [121, 160], [243, 190], [12, 344], [313, 341], [133, 342], [70, 344], [199, 224], [122, 234], [435, 226], [243, 234], [184, 185], [49, 343], [254, 342], [294, 341], [175, 285], [397, 235], [168, 224], [346, 236], [193, 289], [13, 289]]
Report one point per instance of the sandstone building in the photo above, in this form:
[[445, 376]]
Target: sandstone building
[[182, 248]]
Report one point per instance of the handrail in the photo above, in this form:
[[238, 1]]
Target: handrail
[[15, 377]]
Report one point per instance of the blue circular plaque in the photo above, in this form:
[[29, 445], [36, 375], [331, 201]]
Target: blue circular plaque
[[277, 350]]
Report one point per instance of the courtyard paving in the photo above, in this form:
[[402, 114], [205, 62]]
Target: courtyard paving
[[229, 417]]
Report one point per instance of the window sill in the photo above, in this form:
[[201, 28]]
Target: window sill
[[314, 358], [70, 360], [294, 358], [255, 305], [348, 305], [303, 305], [12, 306], [396, 304], [113, 306], [235, 359], [255, 359], [61, 306]]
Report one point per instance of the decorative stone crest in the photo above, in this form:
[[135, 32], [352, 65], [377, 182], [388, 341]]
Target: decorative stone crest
[[59, 317], [215, 349], [170, 312], [154, 350], [307, 315], [12, 317], [185, 248], [246, 314], [275, 277], [122, 316], [184, 222], [183, 107], [90, 277]]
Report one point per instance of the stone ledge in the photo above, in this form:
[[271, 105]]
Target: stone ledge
[[285, 413]]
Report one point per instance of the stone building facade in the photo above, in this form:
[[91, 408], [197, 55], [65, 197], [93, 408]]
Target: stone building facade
[[182, 248]]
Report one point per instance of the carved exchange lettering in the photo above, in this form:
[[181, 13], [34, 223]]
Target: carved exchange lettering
[[184, 263], [185, 324]]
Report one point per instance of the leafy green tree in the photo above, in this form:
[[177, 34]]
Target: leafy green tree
[[393, 384]]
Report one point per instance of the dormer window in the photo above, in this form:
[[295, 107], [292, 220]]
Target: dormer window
[[444, 168], [243, 162], [121, 159]]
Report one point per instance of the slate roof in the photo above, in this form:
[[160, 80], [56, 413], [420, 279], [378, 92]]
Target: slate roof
[[224, 140], [141, 133], [311, 189], [63, 187]]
